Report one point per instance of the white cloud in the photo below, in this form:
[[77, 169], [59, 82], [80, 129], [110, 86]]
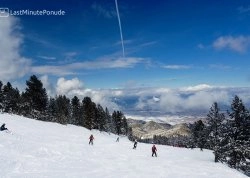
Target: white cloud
[[150, 43], [156, 99], [200, 46], [47, 57], [118, 43], [220, 66], [239, 44], [242, 9], [70, 69], [55, 70], [46, 84], [12, 64], [205, 99], [196, 98], [161, 100], [74, 87], [103, 11], [176, 67], [197, 87], [66, 87]]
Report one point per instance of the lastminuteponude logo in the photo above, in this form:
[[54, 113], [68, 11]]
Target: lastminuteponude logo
[[6, 12]]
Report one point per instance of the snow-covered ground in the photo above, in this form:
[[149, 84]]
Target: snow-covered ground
[[36, 149]]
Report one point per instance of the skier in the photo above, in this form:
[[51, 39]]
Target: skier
[[154, 151], [117, 140], [2, 128], [135, 144], [91, 138]]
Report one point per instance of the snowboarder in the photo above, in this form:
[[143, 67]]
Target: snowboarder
[[91, 139], [135, 144], [154, 151], [117, 140], [2, 128]]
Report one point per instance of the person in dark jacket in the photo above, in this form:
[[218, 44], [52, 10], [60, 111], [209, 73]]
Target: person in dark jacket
[[117, 140], [135, 144], [91, 139], [2, 128], [154, 151]]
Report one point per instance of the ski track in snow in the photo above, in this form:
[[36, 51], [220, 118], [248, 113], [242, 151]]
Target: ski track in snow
[[36, 149]]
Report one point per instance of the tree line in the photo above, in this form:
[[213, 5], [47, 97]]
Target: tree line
[[34, 103], [227, 134]]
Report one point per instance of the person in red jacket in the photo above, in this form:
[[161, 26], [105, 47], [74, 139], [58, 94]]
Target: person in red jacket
[[91, 139], [154, 151]]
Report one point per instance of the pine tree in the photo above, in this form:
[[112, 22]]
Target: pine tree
[[36, 96], [89, 113], [109, 125], [75, 107], [94, 112], [120, 123], [62, 109], [124, 127], [214, 126], [1, 96], [10, 98], [117, 118], [236, 149], [199, 134], [15, 101], [24, 106], [100, 116], [75, 111], [51, 111], [7, 97]]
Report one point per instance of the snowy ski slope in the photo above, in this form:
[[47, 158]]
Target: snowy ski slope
[[36, 149]]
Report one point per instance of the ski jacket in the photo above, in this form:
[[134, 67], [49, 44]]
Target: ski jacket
[[91, 137], [154, 149], [3, 127]]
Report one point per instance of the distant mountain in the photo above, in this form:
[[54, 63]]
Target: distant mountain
[[147, 130], [166, 119]]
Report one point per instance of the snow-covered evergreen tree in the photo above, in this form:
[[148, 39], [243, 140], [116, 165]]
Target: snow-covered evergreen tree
[[109, 123], [214, 127], [237, 153], [117, 118], [75, 111], [89, 113], [51, 111], [62, 109], [100, 117], [1, 96], [10, 98], [199, 135], [124, 127]]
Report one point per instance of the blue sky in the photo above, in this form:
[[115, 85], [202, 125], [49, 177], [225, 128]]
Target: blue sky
[[168, 44], [171, 43]]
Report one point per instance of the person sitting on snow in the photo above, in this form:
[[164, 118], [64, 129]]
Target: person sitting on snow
[[2, 128]]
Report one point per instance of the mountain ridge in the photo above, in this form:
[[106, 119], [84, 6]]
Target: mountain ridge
[[147, 130]]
